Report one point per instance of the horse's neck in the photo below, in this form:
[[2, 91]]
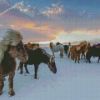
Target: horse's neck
[[69, 47], [53, 45], [8, 58]]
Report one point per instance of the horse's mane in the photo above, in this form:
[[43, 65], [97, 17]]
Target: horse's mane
[[11, 37]]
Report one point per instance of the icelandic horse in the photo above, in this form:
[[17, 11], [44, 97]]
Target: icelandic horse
[[11, 47], [36, 57], [77, 50], [56, 48]]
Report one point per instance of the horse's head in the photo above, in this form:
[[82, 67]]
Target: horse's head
[[51, 45], [19, 52], [52, 64]]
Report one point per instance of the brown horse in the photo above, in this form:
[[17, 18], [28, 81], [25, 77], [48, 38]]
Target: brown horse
[[32, 45], [36, 57], [77, 50], [11, 47], [84, 49]]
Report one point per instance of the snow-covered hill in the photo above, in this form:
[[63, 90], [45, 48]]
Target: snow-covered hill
[[72, 81]]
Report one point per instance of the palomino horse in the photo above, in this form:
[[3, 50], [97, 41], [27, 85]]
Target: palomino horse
[[56, 48], [11, 47], [36, 57]]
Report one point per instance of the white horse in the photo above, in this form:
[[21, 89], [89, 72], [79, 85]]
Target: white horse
[[56, 48]]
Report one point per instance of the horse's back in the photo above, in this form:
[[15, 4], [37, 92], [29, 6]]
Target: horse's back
[[57, 48], [35, 56]]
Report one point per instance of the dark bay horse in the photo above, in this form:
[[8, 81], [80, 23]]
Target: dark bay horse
[[36, 57], [11, 47], [93, 51]]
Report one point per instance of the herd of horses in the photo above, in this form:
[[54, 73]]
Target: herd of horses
[[12, 47], [84, 49]]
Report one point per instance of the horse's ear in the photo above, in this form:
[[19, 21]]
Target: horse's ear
[[51, 45], [78, 48]]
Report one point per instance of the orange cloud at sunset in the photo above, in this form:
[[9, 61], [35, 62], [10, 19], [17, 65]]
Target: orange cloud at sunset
[[43, 28]]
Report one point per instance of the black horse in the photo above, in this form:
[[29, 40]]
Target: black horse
[[93, 51], [58, 43], [36, 57], [66, 48]]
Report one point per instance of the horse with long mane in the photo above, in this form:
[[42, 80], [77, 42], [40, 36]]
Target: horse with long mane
[[56, 48], [37, 57], [11, 47]]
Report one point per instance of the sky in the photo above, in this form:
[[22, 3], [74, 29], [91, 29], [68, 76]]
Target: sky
[[52, 20]]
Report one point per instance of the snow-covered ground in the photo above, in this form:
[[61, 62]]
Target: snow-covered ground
[[71, 82]]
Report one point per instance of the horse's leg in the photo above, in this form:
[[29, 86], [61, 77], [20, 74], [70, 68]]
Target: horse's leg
[[89, 60], [11, 91], [72, 56], [81, 55], [26, 68], [78, 58], [75, 58], [1, 84], [84, 55], [21, 68], [98, 59], [53, 53], [61, 54], [68, 54], [36, 69]]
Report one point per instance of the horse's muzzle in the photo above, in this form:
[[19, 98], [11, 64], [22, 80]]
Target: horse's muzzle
[[54, 69]]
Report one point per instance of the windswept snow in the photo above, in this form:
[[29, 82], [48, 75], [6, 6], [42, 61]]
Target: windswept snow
[[72, 81]]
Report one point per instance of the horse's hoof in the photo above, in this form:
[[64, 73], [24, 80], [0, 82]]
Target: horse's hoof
[[12, 93], [21, 72], [27, 72], [35, 77]]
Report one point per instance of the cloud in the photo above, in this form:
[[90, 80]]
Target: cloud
[[54, 10], [49, 24], [1, 25], [34, 10]]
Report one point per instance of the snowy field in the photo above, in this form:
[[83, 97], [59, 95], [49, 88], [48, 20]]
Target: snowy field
[[71, 82]]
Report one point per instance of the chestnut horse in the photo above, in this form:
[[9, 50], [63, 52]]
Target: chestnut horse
[[11, 47], [36, 57], [77, 50], [32, 45], [56, 48]]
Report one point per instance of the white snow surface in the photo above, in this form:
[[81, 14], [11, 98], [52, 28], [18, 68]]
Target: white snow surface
[[72, 81]]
